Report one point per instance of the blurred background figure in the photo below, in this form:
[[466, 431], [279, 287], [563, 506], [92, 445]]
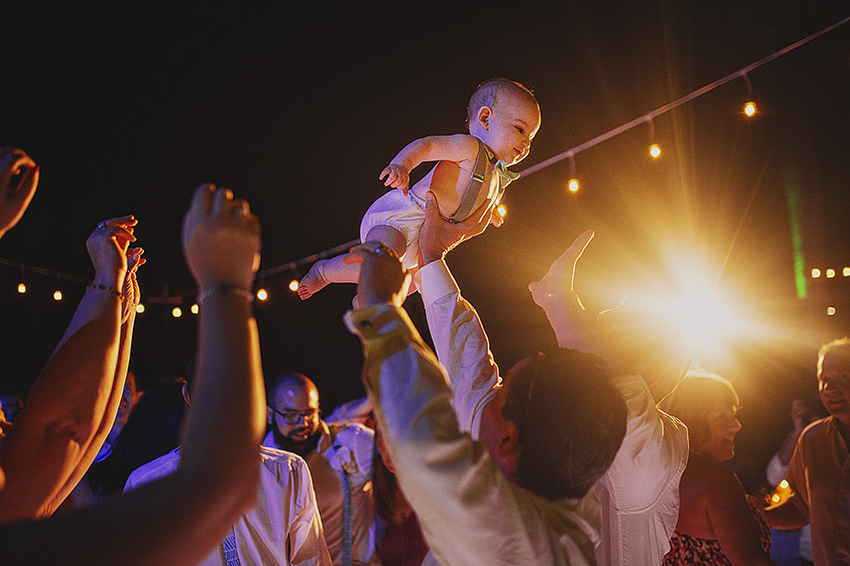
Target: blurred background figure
[[718, 524]]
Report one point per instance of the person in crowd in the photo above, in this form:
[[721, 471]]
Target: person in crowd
[[555, 442], [503, 117], [817, 472], [400, 541], [187, 513], [718, 523], [798, 542], [129, 398], [639, 492], [340, 460], [283, 529], [73, 402]]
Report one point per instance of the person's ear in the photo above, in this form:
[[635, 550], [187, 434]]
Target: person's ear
[[509, 441], [483, 117], [185, 391]]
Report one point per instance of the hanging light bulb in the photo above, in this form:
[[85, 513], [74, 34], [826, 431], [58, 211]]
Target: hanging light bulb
[[176, 312], [195, 309], [654, 148], [293, 285], [22, 287], [655, 151], [140, 308], [262, 294], [750, 108], [573, 184], [57, 294]]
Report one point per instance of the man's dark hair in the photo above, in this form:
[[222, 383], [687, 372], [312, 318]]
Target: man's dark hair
[[571, 422]]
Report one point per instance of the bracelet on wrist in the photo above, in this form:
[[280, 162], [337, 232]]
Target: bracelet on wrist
[[224, 289], [100, 287]]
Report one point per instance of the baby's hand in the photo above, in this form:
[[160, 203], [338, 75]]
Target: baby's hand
[[397, 177]]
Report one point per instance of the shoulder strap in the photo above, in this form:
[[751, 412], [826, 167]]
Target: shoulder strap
[[470, 195]]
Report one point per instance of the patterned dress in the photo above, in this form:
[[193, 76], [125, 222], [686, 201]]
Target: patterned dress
[[688, 550]]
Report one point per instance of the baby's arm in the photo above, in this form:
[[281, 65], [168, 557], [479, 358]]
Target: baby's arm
[[457, 148]]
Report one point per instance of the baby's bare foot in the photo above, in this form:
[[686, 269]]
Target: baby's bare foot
[[313, 282]]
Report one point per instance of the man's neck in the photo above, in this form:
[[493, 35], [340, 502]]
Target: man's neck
[[303, 449]]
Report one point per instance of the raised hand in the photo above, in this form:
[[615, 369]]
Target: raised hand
[[221, 239], [107, 247], [18, 181], [383, 278]]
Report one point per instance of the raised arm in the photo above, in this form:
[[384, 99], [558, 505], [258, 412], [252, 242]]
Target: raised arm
[[457, 148], [448, 478], [459, 338], [73, 403], [189, 512]]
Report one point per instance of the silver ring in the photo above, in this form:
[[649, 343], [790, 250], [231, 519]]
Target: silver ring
[[101, 225], [378, 250]]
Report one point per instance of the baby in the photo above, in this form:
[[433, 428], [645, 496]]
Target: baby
[[503, 118]]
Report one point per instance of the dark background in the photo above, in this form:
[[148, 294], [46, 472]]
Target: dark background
[[298, 106]]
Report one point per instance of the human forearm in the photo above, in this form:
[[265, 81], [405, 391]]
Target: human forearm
[[459, 340]]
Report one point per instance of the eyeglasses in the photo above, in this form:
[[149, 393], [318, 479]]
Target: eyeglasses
[[294, 417]]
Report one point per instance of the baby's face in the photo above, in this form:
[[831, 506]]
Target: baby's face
[[512, 127]]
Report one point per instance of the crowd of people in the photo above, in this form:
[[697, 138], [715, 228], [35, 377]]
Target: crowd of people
[[607, 450]]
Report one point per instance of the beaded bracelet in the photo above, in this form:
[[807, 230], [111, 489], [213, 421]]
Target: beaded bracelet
[[100, 287], [224, 289]]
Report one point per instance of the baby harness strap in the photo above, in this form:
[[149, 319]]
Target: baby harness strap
[[470, 195]]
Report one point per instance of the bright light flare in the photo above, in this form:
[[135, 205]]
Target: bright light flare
[[501, 210], [22, 288], [846, 272], [750, 108], [195, 309], [830, 311], [655, 151], [293, 285], [830, 273], [57, 295], [140, 308], [815, 273], [573, 185], [176, 312], [262, 294]]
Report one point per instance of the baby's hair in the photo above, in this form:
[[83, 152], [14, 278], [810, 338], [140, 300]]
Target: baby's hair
[[488, 92]]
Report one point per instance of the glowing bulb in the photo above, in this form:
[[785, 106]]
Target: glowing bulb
[[830, 311], [573, 185], [293, 285], [22, 288], [140, 308], [846, 272], [655, 151], [783, 484], [815, 273], [262, 294], [830, 273], [750, 108], [176, 312], [775, 498], [57, 295], [195, 309], [502, 210]]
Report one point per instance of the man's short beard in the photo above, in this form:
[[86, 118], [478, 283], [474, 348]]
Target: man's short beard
[[300, 448]]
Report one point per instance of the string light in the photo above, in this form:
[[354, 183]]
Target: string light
[[57, 294], [293, 285], [195, 309], [749, 105], [815, 273], [502, 210], [176, 312], [830, 273], [140, 308], [654, 148], [830, 311], [262, 294], [573, 184], [22, 286], [846, 272]]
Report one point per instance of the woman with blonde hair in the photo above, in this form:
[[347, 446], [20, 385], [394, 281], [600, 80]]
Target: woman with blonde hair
[[717, 522]]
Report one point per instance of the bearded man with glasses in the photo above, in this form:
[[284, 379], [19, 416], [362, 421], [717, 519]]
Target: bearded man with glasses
[[340, 460]]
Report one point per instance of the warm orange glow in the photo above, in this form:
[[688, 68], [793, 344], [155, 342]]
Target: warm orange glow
[[176, 312], [830, 273], [140, 308], [815, 273], [502, 210], [262, 294], [783, 484], [655, 151], [830, 311], [293, 285], [846, 272], [195, 309], [573, 185], [57, 295], [775, 498], [22, 288], [750, 108]]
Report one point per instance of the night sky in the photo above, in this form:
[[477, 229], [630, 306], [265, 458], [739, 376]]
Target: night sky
[[298, 107]]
